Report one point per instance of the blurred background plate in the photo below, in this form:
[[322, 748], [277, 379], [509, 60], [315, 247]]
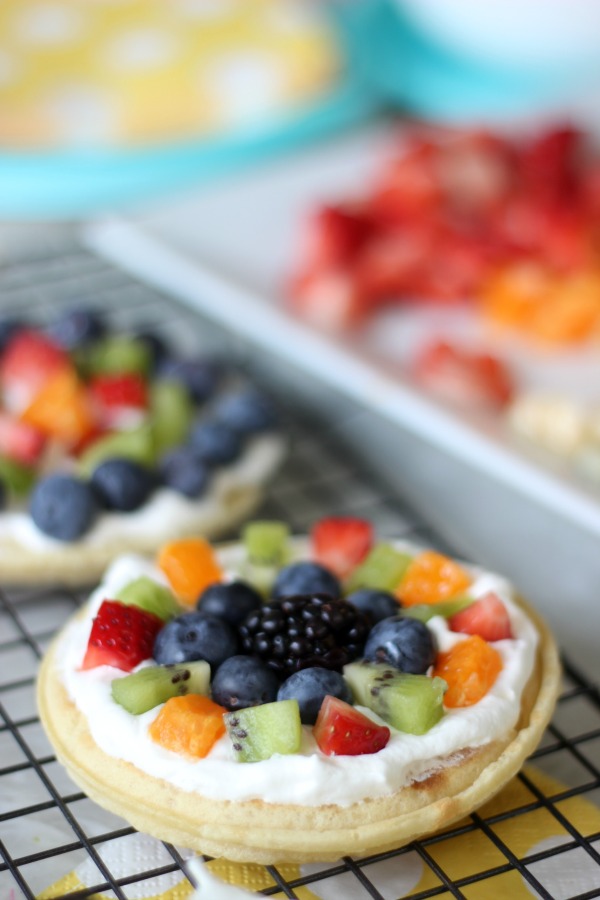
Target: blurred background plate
[[77, 183], [103, 104]]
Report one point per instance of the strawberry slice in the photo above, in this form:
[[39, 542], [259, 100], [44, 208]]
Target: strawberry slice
[[29, 361], [340, 543], [20, 441], [333, 236], [341, 730], [487, 617], [119, 399], [468, 379], [409, 187], [127, 389], [122, 636], [329, 299]]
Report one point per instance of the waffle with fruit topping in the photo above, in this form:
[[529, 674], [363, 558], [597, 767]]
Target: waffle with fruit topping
[[297, 699], [110, 442]]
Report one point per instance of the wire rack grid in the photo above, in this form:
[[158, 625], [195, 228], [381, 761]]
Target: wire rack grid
[[541, 838]]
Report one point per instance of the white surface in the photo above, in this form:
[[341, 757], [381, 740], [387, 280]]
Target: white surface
[[527, 35], [226, 251]]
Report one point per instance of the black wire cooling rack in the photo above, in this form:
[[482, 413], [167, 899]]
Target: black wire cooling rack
[[540, 837]]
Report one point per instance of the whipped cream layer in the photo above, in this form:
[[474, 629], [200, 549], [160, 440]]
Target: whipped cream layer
[[165, 512], [308, 778]]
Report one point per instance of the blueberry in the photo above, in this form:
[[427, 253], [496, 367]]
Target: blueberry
[[310, 687], [199, 376], [8, 329], [243, 681], [183, 471], [376, 604], [63, 507], [404, 643], [195, 636], [76, 327], [123, 484], [231, 602], [246, 411], [215, 443], [305, 578], [159, 349]]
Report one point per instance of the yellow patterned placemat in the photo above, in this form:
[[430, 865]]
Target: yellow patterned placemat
[[121, 72], [459, 857]]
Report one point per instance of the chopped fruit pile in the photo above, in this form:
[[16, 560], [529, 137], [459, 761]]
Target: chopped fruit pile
[[511, 223], [223, 659], [117, 415]]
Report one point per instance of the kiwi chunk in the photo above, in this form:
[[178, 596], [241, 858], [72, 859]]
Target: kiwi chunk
[[151, 597], [143, 690], [446, 608], [383, 569], [410, 703], [258, 732], [267, 550], [18, 478], [136, 444], [266, 542], [171, 413], [116, 355]]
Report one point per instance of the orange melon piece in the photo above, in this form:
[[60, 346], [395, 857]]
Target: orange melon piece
[[62, 408], [190, 565], [470, 669], [188, 725], [514, 293], [430, 578]]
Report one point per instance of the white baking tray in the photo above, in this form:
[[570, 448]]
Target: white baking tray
[[228, 251]]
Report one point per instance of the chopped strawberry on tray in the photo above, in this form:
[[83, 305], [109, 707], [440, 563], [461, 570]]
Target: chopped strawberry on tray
[[445, 217]]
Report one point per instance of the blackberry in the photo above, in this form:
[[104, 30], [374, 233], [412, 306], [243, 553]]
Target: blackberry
[[305, 630]]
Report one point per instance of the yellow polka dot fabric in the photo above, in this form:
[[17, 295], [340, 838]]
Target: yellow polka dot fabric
[[463, 856], [113, 73]]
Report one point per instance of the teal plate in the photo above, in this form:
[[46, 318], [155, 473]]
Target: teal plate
[[81, 182]]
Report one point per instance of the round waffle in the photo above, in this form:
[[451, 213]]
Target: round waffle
[[253, 830], [234, 494]]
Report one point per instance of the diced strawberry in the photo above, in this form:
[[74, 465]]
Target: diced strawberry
[[469, 379], [334, 235], [409, 186], [590, 190], [461, 263], [392, 260], [20, 441], [27, 363], [328, 299], [549, 163], [114, 395], [340, 543], [487, 617], [122, 636], [341, 730], [475, 170]]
